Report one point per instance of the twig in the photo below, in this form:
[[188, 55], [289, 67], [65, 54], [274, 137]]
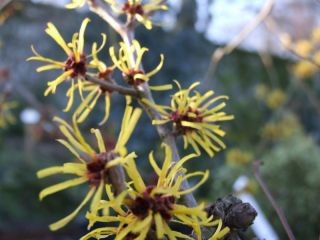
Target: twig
[[106, 16], [113, 87], [219, 53], [280, 213], [4, 3]]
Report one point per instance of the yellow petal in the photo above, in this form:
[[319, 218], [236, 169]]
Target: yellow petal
[[205, 176], [100, 141], [61, 186], [129, 122], [158, 68], [106, 108], [161, 87], [97, 197], [52, 31], [49, 171], [64, 221], [71, 97], [81, 35], [159, 226]]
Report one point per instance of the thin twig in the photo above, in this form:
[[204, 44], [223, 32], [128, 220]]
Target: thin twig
[[98, 9], [113, 87], [4, 3], [276, 207], [219, 53]]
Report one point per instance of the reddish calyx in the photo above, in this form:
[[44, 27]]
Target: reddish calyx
[[96, 169], [157, 203], [192, 115], [79, 68], [133, 9], [130, 77]]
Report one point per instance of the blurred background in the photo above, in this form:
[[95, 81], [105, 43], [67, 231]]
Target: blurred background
[[269, 69]]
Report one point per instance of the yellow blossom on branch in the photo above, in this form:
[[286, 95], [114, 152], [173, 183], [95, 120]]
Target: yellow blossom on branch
[[194, 117], [131, 67], [94, 91], [75, 67], [93, 165], [155, 206], [138, 9]]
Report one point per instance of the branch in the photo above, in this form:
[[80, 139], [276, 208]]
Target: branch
[[4, 3], [241, 36], [112, 86], [106, 16], [280, 213]]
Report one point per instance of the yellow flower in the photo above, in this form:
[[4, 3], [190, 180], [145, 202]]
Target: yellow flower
[[131, 67], [76, 4], [303, 48], [93, 166], [237, 156], [194, 118], [95, 91], [136, 9], [284, 128], [275, 98], [6, 117], [154, 206], [304, 69], [75, 67]]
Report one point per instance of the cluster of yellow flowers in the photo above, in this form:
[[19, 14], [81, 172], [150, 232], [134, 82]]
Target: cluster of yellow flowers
[[138, 209], [273, 99], [307, 48], [282, 129]]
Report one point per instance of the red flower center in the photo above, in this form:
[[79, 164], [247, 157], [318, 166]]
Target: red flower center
[[177, 118], [96, 170], [129, 77], [156, 203], [77, 67], [133, 9]]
